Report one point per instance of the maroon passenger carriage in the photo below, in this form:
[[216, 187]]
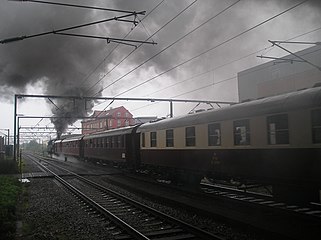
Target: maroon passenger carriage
[[117, 146], [72, 146], [273, 141]]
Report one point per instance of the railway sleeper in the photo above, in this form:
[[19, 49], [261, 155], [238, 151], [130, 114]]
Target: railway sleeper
[[169, 234]]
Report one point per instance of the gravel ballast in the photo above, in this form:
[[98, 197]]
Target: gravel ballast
[[53, 213]]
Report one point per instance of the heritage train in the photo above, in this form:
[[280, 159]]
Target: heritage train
[[272, 141]]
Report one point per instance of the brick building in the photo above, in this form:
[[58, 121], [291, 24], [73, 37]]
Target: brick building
[[110, 119]]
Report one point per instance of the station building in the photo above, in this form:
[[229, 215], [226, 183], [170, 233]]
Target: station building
[[278, 76], [110, 119]]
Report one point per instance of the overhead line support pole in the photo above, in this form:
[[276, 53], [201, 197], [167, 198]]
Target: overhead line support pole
[[312, 64], [126, 99], [14, 39], [15, 128]]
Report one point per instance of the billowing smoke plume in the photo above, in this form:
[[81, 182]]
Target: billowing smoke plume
[[65, 64], [69, 112]]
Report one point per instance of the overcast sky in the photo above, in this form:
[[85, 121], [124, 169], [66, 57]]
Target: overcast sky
[[191, 60]]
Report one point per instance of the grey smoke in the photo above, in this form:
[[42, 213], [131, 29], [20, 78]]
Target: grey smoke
[[63, 63]]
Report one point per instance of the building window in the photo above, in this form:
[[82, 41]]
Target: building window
[[118, 114], [278, 129], [316, 125], [118, 123], [110, 122], [242, 132], [170, 138], [126, 123], [190, 136], [100, 124], [143, 139], [153, 139], [126, 114], [214, 134]]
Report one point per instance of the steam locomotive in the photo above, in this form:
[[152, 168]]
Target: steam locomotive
[[271, 141]]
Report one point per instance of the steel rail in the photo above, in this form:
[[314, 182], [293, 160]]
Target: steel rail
[[106, 213], [199, 233]]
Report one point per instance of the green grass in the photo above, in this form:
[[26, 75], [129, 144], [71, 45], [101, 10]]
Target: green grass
[[9, 191]]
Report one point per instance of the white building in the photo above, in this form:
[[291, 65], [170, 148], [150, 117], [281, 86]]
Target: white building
[[277, 77]]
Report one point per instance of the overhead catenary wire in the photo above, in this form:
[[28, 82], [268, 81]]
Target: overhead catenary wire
[[304, 1], [14, 39], [225, 64], [172, 44], [230, 62], [171, 20], [111, 52], [212, 48], [194, 90], [77, 6]]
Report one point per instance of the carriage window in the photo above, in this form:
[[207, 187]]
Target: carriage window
[[170, 138], [242, 132], [143, 139], [107, 142], [153, 140], [119, 141], [91, 143], [316, 126], [123, 141], [278, 129], [114, 142], [214, 134], [190, 136]]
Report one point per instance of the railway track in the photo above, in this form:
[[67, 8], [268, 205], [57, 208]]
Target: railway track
[[245, 208], [124, 217], [252, 199], [265, 201]]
